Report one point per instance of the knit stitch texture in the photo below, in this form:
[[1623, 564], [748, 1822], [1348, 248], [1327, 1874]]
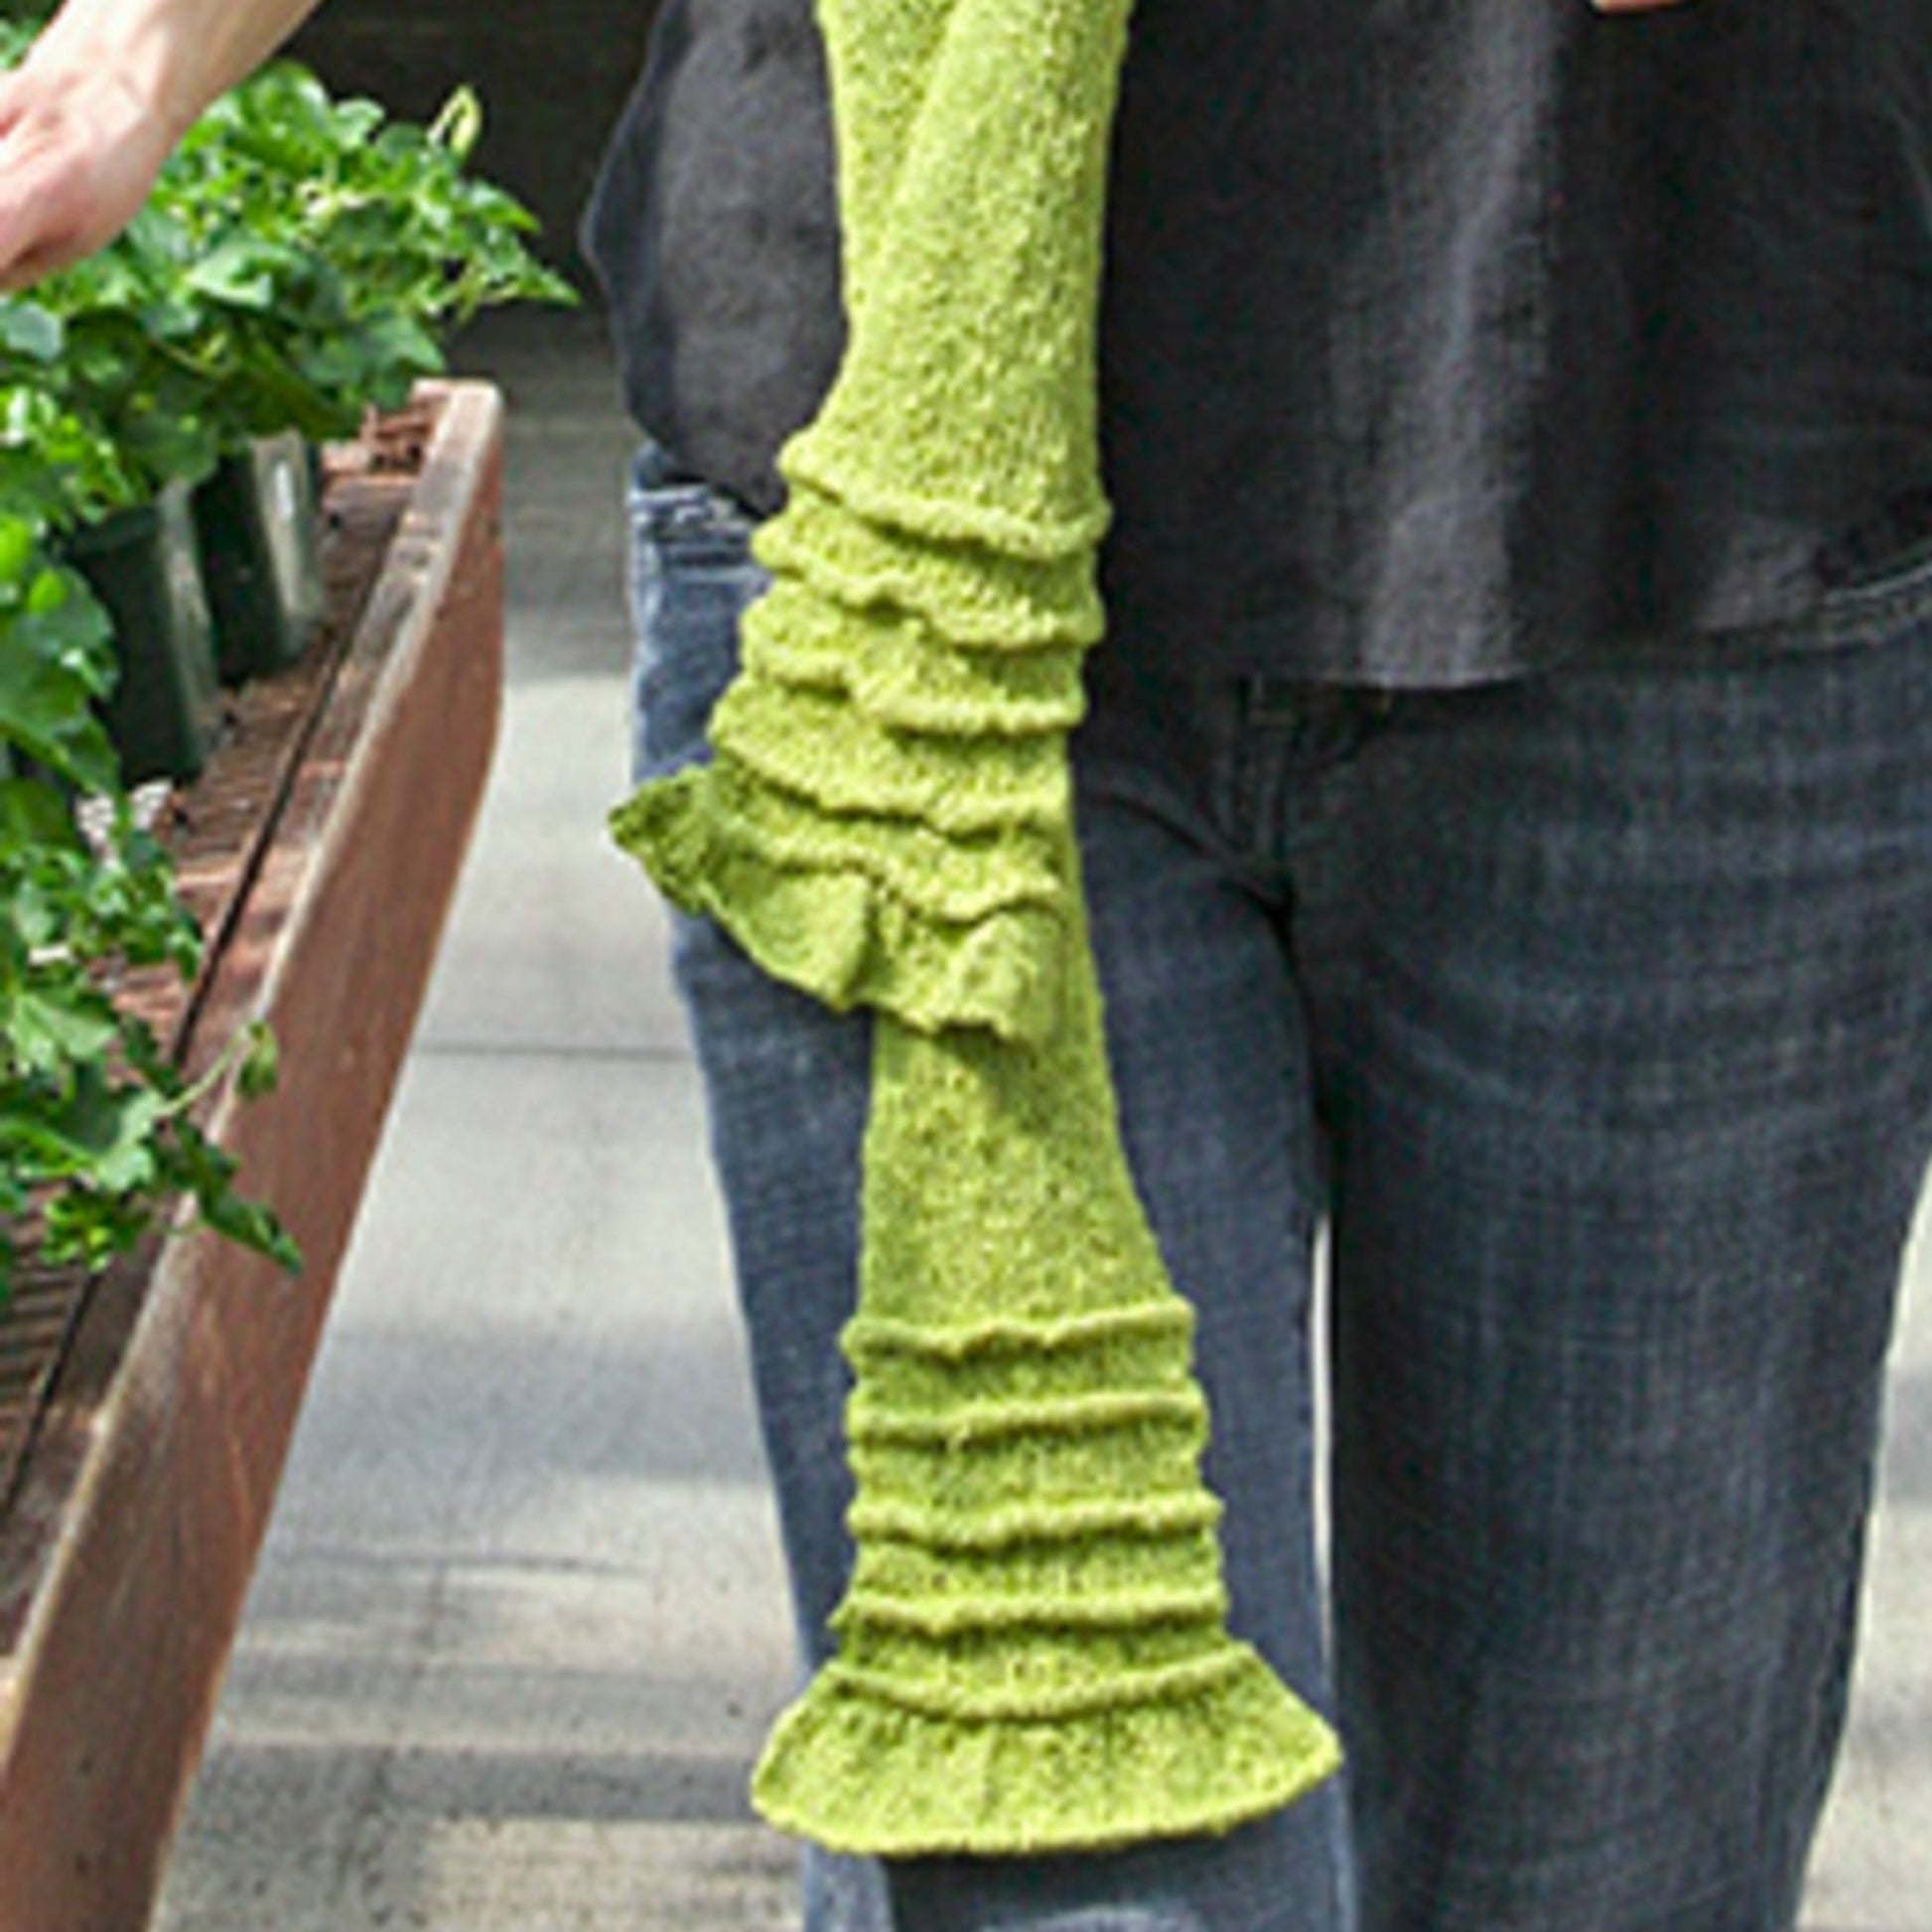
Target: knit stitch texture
[[1033, 1653]]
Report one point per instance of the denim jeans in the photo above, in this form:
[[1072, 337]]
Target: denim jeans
[[1590, 1016]]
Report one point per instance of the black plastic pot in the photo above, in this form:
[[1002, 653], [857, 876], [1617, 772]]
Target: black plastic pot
[[144, 565], [260, 535]]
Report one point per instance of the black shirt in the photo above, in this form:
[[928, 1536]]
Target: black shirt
[[1439, 339]]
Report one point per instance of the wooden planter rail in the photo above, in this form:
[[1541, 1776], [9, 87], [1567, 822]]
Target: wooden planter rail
[[325, 842]]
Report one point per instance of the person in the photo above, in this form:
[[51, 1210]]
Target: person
[[1507, 830]]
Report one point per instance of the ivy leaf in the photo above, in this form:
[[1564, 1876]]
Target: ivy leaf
[[34, 817], [82, 1224], [44, 710], [19, 539], [206, 1174], [99, 1136], [260, 1068], [29, 331], [253, 1226], [50, 1028], [243, 271]]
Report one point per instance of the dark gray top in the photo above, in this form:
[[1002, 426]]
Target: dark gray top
[[1441, 338]]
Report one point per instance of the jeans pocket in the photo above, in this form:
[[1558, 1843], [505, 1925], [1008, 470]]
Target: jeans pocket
[[691, 577]]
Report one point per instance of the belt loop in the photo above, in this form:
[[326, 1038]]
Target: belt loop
[[1320, 722]]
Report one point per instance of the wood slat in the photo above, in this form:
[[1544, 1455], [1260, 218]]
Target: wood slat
[[158, 1457]]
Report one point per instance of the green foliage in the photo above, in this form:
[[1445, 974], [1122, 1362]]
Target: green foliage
[[95, 1122], [301, 261], [414, 238], [53, 466], [127, 384]]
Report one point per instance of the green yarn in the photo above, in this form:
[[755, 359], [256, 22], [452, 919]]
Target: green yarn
[[922, 1781], [1033, 1654]]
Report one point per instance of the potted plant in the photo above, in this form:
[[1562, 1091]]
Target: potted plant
[[300, 263], [333, 249], [103, 436]]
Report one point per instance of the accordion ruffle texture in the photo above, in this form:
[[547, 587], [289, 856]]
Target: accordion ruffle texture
[[1033, 1652]]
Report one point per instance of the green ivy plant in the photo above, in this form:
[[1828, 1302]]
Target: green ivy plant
[[300, 263], [56, 470], [278, 171], [98, 1134], [112, 350], [302, 260]]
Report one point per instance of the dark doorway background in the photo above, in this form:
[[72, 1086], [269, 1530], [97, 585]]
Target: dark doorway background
[[552, 80]]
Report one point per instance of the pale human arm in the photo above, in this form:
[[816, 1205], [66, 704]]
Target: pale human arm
[[87, 119]]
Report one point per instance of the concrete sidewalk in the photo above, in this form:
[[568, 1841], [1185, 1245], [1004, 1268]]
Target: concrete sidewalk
[[521, 1623]]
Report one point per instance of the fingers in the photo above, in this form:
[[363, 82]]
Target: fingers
[[77, 161], [17, 197], [35, 204]]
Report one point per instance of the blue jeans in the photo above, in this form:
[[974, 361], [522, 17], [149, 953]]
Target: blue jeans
[[1591, 1015]]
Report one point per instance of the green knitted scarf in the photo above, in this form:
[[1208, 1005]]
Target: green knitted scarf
[[1033, 1655]]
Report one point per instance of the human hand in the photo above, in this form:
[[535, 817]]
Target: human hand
[[78, 152], [1632, 6]]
